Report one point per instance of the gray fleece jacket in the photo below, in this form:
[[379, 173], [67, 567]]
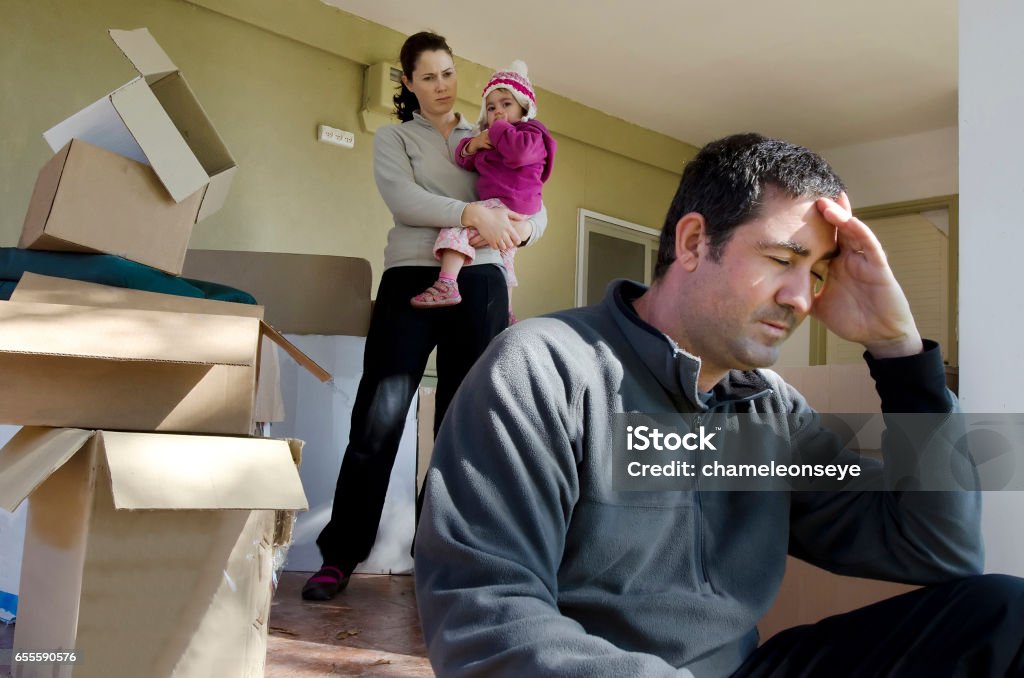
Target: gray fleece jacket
[[426, 191], [529, 563]]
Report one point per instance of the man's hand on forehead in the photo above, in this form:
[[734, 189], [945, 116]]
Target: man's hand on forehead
[[862, 301]]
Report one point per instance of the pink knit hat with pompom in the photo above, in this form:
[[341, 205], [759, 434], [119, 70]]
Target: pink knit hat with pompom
[[515, 81]]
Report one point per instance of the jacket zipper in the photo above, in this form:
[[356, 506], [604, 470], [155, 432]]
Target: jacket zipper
[[699, 518], [699, 526], [699, 505]]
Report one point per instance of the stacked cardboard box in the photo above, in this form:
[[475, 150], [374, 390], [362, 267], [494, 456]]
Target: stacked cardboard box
[[144, 551], [134, 171], [153, 514]]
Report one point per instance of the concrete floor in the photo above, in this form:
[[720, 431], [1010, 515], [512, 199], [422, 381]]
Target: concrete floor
[[371, 629]]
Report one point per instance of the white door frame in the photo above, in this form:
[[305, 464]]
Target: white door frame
[[582, 248]]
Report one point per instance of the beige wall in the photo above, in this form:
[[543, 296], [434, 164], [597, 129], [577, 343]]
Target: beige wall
[[269, 71], [911, 167]]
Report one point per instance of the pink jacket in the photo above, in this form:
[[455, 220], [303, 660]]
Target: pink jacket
[[514, 170]]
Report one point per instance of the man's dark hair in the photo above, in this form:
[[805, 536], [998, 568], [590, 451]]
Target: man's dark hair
[[729, 181]]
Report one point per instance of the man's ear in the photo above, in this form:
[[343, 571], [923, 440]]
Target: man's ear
[[691, 240]]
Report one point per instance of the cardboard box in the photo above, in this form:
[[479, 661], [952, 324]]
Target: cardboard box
[[88, 199], [91, 356], [148, 554], [156, 120]]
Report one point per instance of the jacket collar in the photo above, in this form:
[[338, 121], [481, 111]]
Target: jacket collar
[[674, 368], [418, 119]]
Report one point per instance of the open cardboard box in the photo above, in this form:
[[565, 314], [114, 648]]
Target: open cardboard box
[[149, 554], [91, 356], [155, 120]]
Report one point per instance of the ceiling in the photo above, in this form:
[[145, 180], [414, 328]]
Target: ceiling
[[819, 73]]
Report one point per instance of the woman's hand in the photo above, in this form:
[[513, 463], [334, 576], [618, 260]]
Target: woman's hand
[[498, 227], [521, 222], [523, 226]]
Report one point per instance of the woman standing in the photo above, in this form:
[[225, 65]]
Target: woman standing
[[425, 192]]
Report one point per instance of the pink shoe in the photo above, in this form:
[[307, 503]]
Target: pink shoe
[[441, 293]]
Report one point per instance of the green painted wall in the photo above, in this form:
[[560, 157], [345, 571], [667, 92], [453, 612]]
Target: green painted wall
[[267, 72]]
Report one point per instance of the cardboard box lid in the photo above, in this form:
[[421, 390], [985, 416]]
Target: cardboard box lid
[[168, 471], [49, 290], [142, 50], [155, 128], [127, 334], [159, 471]]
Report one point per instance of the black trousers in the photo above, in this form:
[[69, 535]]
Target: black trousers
[[970, 628], [398, 344]]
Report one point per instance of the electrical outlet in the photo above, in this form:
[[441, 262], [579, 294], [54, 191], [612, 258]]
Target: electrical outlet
[[337, 137]]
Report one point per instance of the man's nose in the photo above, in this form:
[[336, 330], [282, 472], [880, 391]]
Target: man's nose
[[798, 294]]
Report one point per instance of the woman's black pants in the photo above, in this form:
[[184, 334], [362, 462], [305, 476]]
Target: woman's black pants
[[398, 344]]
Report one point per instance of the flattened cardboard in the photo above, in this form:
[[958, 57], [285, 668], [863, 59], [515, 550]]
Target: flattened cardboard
[[158, 115], [88, 199], [180, 592], [303, 293]]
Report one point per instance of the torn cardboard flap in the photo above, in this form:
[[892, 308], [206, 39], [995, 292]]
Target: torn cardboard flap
[[291, 349], [284, 522], [156, 119], [33, 455]]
